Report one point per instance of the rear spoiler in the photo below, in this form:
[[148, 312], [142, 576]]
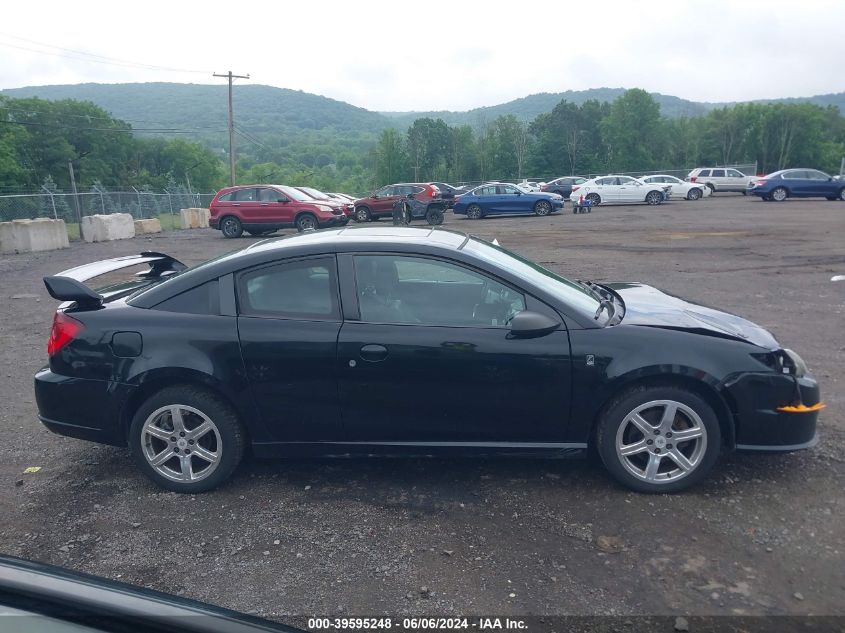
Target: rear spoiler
[[67, 285]]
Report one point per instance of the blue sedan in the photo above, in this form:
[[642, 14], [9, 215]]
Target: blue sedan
[[505, 199], [798, 183]]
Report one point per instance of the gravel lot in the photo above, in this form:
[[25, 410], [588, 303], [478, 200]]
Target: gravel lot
[[446, 537]]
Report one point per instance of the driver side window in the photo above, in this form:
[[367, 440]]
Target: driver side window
[[417, 290]]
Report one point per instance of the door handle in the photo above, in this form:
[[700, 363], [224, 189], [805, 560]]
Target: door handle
[[373, 353], [236, 204]]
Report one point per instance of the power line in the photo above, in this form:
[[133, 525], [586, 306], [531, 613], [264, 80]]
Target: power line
[[97, 59]]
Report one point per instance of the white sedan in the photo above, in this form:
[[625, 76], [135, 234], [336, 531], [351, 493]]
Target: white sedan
[[620, 190], [680, 188]]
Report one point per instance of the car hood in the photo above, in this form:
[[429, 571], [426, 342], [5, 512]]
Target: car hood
[[645, 305]]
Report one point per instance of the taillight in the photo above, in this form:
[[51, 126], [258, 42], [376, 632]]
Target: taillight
[[544, 187], [759, 183], [65, 329], [693, 178], [457, 198], [576, 187]]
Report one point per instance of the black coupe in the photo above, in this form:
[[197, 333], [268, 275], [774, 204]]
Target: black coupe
[[403, 340]]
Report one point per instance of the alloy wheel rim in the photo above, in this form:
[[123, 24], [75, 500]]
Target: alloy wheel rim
[[229, 227], [779, 195], [593, 198], [474, 212], [361, 215], [661, 441], [543, 208], [306, 223], [695, 194], [652, 198], [181, 443]]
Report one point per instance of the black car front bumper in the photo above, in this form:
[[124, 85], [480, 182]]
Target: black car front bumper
[[774, 412]]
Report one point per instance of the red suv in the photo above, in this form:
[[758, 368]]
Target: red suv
[[379, 204], [259, 209]]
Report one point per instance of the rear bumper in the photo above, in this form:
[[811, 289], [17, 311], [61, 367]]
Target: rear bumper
[[212, 223], [81, 408], [759, 424]]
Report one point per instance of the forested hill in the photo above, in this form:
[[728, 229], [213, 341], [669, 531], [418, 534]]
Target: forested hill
[[202, 108], [526, 108]]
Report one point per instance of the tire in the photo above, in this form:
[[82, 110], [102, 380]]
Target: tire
[[224, 439], [653, 198], [434, 216], [474, 212], [594, 198], [842, 194], [362, 214], [306, 222], [260, 233], [779, 194], [744, 192], [541, 207], [711, 187], [694, 194], [231, 227], [653, 467]]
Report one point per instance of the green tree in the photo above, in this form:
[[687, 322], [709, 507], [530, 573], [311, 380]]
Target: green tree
[[632, 131]]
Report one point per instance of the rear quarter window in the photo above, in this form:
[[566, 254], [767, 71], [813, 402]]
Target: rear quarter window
[[226, 197], [204, 299]]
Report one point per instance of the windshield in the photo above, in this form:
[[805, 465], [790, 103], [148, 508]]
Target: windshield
[[314, 193], [569, 292], [294, 194]]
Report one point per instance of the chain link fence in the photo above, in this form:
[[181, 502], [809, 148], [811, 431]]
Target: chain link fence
[[749, 169], [69, 207]]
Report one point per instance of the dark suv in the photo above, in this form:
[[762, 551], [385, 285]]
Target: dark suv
[[260, 209], [379, 204], [562, 186]]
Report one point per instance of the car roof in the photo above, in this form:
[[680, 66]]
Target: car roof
[[361, 235]]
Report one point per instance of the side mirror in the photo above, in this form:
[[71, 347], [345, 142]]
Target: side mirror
[[527, 324]]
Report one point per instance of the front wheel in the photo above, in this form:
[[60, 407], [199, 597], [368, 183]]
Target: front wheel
[[231, 227], [542, 207], [842, 194], [653, 198], [474, 212], [187, 439], [694, 194], [779, 195], [434, 216], [658, 439]]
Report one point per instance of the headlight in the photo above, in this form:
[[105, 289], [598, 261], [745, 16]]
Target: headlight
[[795, 363], [324, 208]]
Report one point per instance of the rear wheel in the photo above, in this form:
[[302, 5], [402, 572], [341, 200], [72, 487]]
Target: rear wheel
[[694, 194], [474, 212], [658, 439], [780, 194], [654, 197], [231, 227], [842, 194], [187, 439], [306, 222], [542, 207], [594, 198], [711, 187], [362, 214]]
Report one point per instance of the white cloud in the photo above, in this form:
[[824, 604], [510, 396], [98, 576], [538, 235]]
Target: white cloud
[[442, 55]]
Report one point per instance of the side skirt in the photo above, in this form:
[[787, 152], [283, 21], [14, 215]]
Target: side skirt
[[418, 449]]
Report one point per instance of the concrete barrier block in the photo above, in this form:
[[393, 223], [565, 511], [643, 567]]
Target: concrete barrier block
[[194, 218], [24, 236], [144, 227], [105, 228]]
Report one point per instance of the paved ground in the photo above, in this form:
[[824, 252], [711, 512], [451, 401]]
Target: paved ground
[[763, 536]]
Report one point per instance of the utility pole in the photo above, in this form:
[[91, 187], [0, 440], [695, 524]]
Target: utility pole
[[75, 197], [231, 77]]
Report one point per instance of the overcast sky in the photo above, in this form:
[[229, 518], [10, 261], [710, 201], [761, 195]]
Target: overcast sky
[[434, 55]]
